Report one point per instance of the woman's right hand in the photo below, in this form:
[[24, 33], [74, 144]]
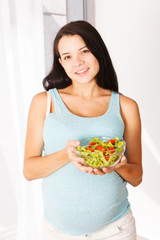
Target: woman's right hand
[[75, 160]]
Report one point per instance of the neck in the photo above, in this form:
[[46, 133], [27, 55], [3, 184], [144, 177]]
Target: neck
[[87, 90]]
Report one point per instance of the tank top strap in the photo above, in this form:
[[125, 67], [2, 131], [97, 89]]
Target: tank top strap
[[48, 103], [116, 106], [58, 103], [53, 94], [115, 101]]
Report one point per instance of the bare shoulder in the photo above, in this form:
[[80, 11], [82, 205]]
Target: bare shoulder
[[128, 104], [129, 108], [39, 103], [40, 97]]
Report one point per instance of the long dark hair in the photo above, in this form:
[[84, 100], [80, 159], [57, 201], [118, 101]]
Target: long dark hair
[[106, 77]]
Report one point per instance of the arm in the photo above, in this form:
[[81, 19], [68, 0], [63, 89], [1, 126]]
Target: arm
[[36, 166], [131, 171], [130, 168]]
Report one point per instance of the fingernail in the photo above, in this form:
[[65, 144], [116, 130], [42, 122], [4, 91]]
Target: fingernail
[[76, 143]]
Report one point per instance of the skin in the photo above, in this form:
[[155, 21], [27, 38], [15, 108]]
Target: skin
[[83, 98]]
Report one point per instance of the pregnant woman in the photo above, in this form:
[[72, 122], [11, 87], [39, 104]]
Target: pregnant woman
[[80, 100]]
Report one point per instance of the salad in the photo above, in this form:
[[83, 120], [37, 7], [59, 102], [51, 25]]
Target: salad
[[101, 153]]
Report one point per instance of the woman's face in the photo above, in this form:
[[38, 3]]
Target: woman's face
[[78, 62]]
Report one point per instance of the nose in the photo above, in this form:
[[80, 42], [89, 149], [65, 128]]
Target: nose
[[78, 61]]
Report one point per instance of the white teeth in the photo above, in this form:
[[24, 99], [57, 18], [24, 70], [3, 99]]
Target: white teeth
[[82, 70]]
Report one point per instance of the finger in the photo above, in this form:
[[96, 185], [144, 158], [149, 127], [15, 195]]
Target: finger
[[71, 152], [86, 169], [78, 159], [72, 143], [123, 159], [89, 170], [107, 170], [81, 167], [99, 172], [77, 165], [122, 162], [93, 173]]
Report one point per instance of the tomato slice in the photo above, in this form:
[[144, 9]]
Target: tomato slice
[[111, 141], [107, 157], [100, 148], [103, 149], [92, 143], [90, 149], [111, 149]]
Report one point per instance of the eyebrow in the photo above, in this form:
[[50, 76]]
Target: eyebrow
[[78, 50]]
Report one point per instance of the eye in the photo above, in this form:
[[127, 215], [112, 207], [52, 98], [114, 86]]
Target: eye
[[85, 51], [66, 57]]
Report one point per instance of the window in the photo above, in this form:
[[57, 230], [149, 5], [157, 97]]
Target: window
[[57, 13], [54, 17]]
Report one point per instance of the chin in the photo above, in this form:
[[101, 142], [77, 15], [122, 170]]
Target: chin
[[83, 81]]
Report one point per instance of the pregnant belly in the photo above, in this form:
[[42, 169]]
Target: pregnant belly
[[82, 203]]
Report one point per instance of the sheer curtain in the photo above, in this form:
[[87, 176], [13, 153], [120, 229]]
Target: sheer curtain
[[21, 74]]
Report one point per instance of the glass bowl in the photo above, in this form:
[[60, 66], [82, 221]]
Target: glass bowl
[[100, 152]]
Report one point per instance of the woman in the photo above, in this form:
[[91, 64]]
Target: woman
[[82, 100]]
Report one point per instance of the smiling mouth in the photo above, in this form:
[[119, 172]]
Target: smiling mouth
[[82, 71]]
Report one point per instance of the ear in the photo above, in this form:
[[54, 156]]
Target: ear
[[60, 61]]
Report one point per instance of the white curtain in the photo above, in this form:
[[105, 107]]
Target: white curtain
[[21, 74]]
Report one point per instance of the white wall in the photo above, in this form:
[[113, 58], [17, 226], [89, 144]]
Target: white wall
[[131, 31]]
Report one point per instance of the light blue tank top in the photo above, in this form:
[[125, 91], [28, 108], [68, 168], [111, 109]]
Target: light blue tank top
[[76, 202]]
